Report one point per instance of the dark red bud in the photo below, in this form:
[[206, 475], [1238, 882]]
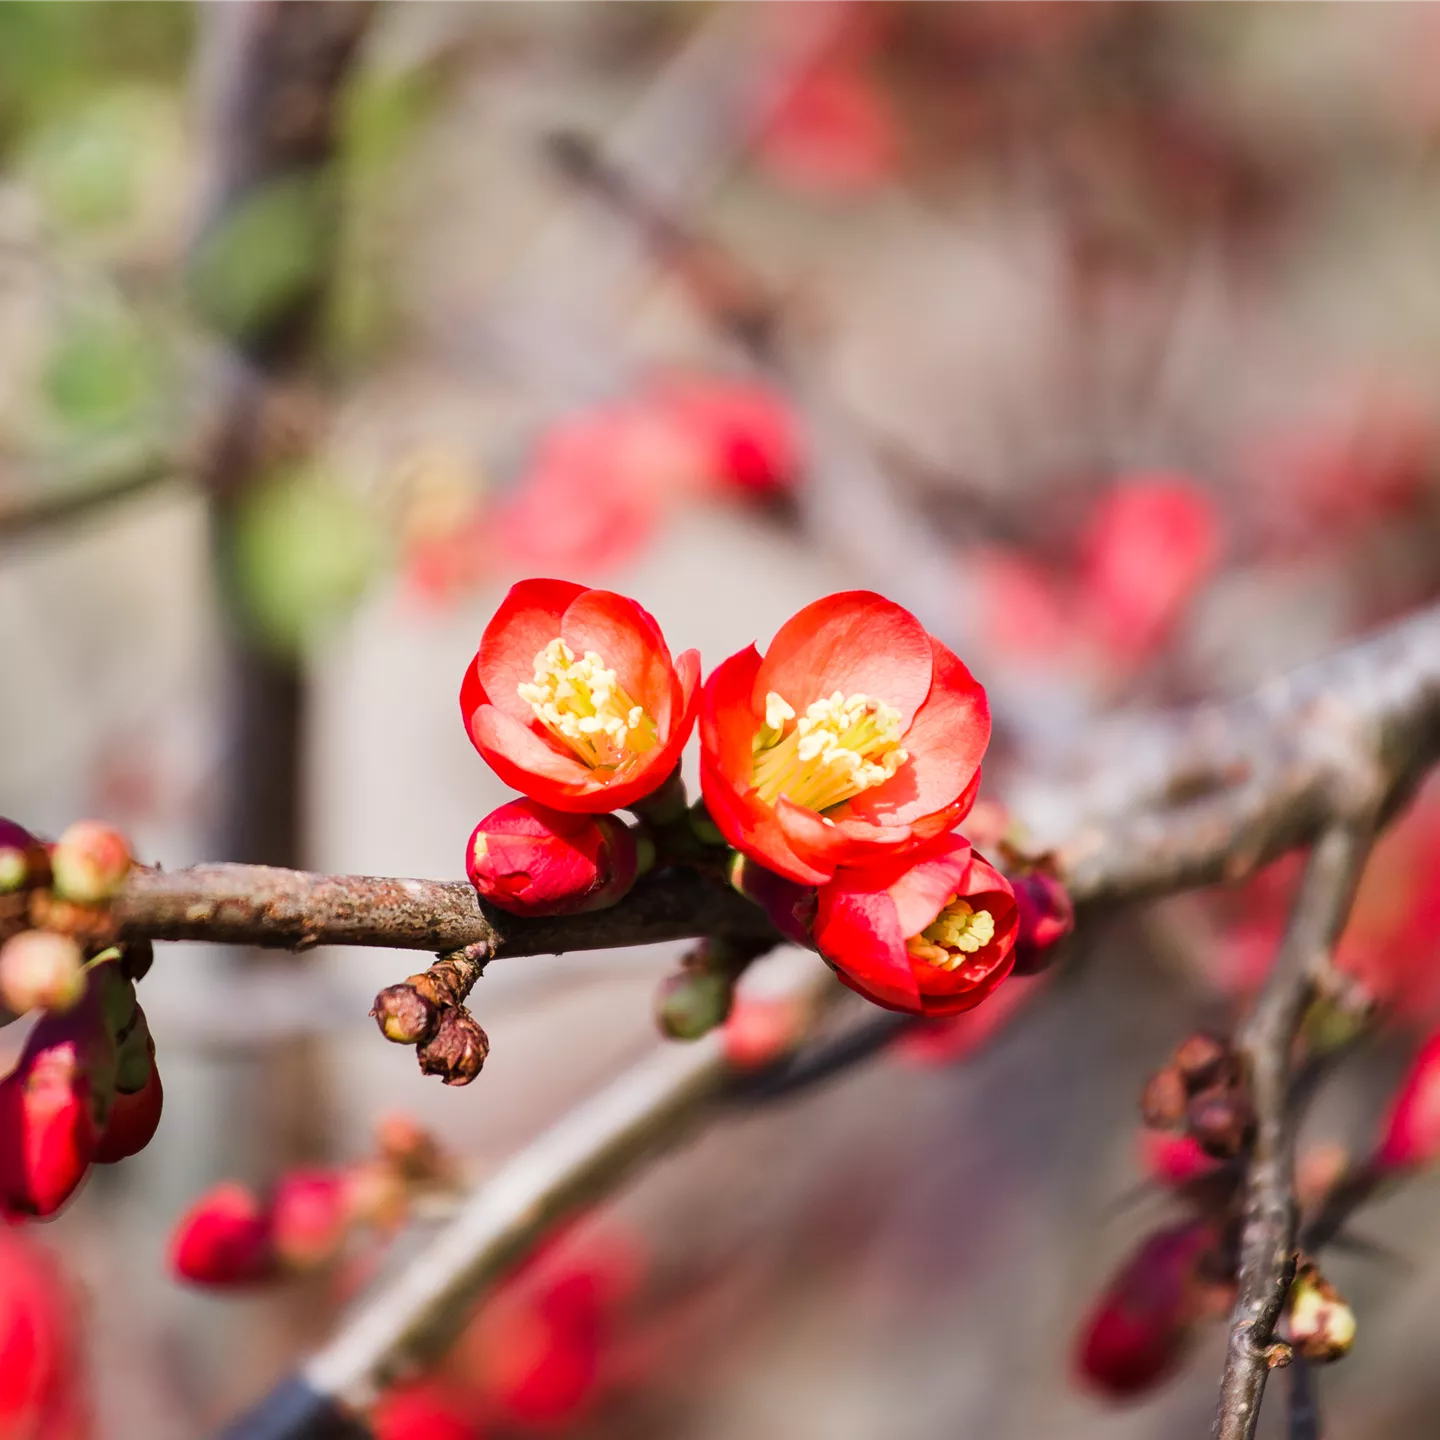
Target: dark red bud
[[457, 1050], [223, 1241], [1046, 919], [1222, 1122]]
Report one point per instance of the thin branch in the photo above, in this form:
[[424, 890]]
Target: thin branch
[[295, 909], [1267, 1246]]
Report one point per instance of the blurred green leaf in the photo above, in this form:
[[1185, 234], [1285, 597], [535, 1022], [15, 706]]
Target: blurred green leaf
[[305, 549], [251, 268], [104, 373]]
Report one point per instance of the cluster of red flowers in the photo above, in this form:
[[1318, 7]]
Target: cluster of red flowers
[[838, 765]]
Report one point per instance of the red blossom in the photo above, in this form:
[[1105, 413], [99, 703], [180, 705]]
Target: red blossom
[[531, 860], [932, 935], [580, 656], [1411, 1133], [1151, 544], [1139, 1328], [224, 1240], [1046, 919], [42, 1392], [424, 1411], [856, 737]]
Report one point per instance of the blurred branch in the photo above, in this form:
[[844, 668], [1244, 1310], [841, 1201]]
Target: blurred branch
[[51, 503], [1267, 1246]]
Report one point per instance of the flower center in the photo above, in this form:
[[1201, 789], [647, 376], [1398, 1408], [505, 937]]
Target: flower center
[[957, 931], [836, 749], [585, 707]]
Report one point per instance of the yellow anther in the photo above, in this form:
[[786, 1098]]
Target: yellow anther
[[584, 705], [957, 931], [838, 748]]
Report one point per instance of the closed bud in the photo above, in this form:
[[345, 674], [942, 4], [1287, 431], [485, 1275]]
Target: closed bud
[[457, 1050], [1222, 1122], [1322, 1325], [761, 1030], [404, 1016], [23, 861], [310, 1218], [1202, 1060], [40, 970], [531, 860], [693, 1003], [1163, 1100], [89, 862], [1046, 918], [789, 906], [1139, 1328], [47, 1134], [134, 1118], [1175, 1161], [223, 1241], [1411, 1134]]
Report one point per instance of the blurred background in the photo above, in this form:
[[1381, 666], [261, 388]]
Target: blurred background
[[1103, 336]]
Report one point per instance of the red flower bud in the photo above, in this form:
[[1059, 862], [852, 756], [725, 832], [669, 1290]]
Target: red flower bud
[[1138, 1329], [310, 1217], [760, 1030], [531, 860], [1411, 1134], [89, 861], [47, 1133], [134, 1118], [574, 700], [1174, 1160], [41, 1361], [1046, 918], [223, 1241], [424, 1411], [40, 970]]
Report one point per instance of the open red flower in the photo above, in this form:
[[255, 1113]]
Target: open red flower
[[573, 698], [932, 935], [856, 737]]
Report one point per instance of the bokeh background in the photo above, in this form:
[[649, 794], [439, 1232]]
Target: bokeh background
[[1104, 336]]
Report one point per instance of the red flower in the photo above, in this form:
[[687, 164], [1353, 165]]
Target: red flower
[[1151, 545], [1411, 1135], [531, 860], [931, 936], [1139, 1329], [856, 737], [423, 1411], [41, 1376], [223, 1241], [573, 698]]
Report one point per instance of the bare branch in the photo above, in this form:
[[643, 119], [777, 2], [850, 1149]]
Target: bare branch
[[1267, 1246]]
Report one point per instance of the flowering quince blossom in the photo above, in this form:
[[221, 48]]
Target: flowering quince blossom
[[531, 860], [573, 698], [932, 935], [855, 737]]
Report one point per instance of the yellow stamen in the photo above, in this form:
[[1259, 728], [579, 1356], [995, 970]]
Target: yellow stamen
[[583, 705], [957, 931], [838, 748]]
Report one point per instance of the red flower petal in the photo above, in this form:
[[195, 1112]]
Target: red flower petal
[[752, 827], [521, 758], [946, 742], [630, 643], [921, 892], [528, 619], [856, 642], [862, 928], [824, 847]]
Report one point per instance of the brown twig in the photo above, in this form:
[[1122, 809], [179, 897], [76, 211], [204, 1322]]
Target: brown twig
[[1267, 1246]]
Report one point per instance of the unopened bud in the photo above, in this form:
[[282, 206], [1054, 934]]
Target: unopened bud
[[790, 907], [693, 1003], [1202, 1060], [22, 858], [1163, 1100], [1175, 1161], [404, 1016], [89, 862], [134, 1118], [1222, 1122], [1046, 919], [223, 1241], [531, 860], [310, 1218], [1322, 1325], [49, 1134], [761, 1030], [457, 1050], [40, 970]]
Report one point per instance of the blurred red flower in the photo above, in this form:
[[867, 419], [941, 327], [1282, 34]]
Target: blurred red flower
[[224, 1240], [42, 1387]]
